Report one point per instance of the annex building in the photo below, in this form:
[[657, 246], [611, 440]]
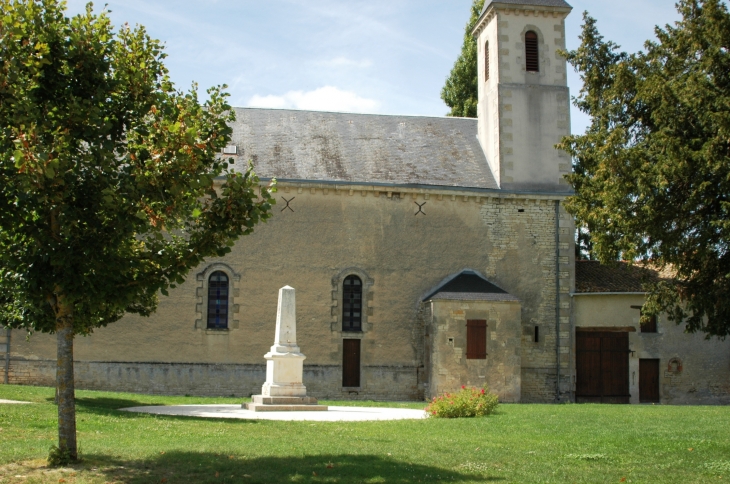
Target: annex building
[[427, 253]]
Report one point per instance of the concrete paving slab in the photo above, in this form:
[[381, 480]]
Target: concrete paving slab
[[334, 414], [13, 401]]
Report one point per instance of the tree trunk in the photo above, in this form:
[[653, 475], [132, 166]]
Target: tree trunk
[[65, 381]]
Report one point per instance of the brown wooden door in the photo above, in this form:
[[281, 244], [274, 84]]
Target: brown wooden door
[[351, 363], [602, 367], [649, 381]]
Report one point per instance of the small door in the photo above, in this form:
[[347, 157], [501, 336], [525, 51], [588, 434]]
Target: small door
[[602, 367], [351, 363], [649, 381]]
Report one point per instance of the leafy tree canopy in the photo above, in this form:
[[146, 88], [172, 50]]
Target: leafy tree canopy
[[460, 92], [652, 172], [111, 187]]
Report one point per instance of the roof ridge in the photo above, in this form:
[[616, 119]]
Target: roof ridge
[[356, 114]]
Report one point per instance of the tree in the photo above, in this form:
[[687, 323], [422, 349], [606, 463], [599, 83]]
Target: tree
[[583, 244], [460, 92], [652, 172], [111, 188]]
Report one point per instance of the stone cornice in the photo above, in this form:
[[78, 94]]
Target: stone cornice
[[510, 8], [414, 191]]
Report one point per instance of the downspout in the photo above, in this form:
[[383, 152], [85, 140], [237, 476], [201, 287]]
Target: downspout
[[7, 356], [557, 300]]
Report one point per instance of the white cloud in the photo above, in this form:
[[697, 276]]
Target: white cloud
[[327, 98]]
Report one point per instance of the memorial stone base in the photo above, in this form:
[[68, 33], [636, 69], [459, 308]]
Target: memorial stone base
[[260, 403]]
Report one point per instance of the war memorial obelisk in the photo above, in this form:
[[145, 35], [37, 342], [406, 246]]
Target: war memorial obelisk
[[284, 390]]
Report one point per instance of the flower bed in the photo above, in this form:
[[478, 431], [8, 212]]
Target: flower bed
[[468, 402]]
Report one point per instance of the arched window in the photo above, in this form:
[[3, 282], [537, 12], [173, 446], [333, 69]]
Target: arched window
[[486, 61], [352, 304], [532, 58], [218, 300]]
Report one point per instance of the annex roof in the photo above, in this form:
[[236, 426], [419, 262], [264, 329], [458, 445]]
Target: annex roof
[[365, 148], [594, 277], [469, 286], [541, 3]]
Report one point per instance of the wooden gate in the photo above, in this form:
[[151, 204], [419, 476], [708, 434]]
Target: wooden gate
[[649, 381], [602, 364], [351, 363]]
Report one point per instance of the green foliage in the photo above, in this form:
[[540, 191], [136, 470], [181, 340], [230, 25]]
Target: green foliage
[[652, 172], [583, 244], [467, 402], [111, 187], [58, 457], [460, 92]]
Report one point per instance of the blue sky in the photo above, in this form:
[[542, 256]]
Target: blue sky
[[372, 56]]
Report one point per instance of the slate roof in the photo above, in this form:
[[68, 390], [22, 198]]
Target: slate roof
[[592, 276], [361, 148], [541, 3], [469, 286]]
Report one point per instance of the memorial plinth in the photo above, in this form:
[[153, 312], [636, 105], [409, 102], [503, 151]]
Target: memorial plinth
[[284, 390]]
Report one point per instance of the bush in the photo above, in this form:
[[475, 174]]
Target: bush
[[469, 402]]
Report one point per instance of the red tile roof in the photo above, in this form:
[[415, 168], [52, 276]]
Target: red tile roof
[[592, 276]]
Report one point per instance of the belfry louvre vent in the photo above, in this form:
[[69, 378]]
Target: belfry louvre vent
[[486, 61], [532, 58]]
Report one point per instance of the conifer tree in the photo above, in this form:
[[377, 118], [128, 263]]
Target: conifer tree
[[652, 172], [460, 92]]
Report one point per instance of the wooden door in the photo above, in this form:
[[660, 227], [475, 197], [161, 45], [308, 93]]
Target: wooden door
[[351, 363], [588, 367], [649, 381], [602, 367]]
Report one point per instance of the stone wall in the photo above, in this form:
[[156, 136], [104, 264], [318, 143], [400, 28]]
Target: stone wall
[[333, 231], [525, 232], [384, 382], [450, 367]]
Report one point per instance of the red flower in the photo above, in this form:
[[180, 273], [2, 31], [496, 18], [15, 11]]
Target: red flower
[[482, 391], [463, 387]]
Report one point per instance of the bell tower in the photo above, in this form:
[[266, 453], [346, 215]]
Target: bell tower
[[524, 103]]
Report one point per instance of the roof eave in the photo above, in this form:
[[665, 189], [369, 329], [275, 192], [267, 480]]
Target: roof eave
[[500, 6]]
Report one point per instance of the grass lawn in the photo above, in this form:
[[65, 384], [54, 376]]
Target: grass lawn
[[520, 443]]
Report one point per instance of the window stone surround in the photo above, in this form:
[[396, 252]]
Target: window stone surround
[[201, 292]]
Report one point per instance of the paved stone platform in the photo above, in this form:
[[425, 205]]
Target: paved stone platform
[[334, 414]]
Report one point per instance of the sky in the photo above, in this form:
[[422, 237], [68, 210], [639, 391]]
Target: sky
[[365, 56]]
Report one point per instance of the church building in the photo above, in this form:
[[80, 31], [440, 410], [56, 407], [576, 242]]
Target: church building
[[427, 253]]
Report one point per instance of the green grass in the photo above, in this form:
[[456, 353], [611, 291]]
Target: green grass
[[520, 443]]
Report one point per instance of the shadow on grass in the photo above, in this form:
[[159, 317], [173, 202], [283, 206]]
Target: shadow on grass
[[105, 405], [112, 406], [201, 467]]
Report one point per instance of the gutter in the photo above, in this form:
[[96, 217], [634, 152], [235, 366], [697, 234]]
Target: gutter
[[557, 300], [7, 356], [491, 192], [574, 294]]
